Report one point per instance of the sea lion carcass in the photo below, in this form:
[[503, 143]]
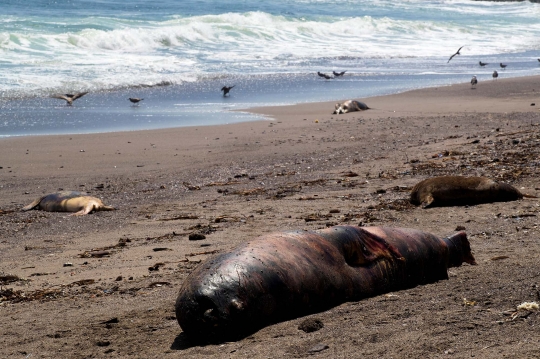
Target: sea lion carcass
[[286, 275], [349, 106], [461, 190], [68, 201]]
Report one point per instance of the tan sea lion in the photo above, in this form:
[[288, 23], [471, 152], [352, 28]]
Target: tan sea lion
[[460, 191], [349, 106], [68, 201]]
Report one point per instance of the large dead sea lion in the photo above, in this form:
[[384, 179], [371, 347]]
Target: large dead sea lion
[[290, 274], [460, 191], [68, 201]]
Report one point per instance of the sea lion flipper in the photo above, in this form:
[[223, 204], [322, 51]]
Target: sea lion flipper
[[32, 205]]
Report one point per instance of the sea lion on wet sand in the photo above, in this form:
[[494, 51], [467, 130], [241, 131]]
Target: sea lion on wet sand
[[460, 191], [286, 275], [68, 201], [350, 106]]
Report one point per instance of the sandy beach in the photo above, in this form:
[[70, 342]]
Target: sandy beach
[[104, 285]]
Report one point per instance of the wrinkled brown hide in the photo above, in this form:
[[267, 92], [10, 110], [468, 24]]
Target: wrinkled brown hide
[[286, 275], [460, 191]]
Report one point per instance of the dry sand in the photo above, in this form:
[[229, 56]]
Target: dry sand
[[235, 182]]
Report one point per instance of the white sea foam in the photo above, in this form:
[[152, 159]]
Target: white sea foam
[[102, 53]]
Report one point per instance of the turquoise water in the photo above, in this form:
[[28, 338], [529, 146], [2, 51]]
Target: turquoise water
[[177, 55]]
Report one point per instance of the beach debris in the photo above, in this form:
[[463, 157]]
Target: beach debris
[[310, 325], [68, 264], [498, 258], [156, 267], [160, 249], [461, 190], [8, 278], [224, 297], [530, 306], [318, 348], [226, 90], [196, 236], [68, 201], [94, 254], [69, 98], [456, 53], [111, 321]]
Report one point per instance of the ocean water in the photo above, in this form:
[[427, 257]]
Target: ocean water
[[178, 55]]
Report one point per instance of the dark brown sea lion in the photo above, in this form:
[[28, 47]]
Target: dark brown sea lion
[[460, 191], [68, 201], [289, 274]]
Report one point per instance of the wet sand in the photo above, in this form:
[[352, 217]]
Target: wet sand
[[235, 182]]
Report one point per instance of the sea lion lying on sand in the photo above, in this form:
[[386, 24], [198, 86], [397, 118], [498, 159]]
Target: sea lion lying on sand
[[460, 191], [350, 106], [286, 275], [68, 201]]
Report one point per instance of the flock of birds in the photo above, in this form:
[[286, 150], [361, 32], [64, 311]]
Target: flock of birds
[[328, 77], [474, 80], [69, 98]]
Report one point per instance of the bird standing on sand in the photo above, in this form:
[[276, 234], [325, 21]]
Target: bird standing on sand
[[503, 66], [457, 53], [135, 99], [337, 74], [482, 63], [495, 75], [328, 77], [226, 90], [474, 81], [69, 98]]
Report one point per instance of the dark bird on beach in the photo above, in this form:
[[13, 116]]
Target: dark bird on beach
[[503, 66], [328, 77], [457, 53], [337, 74], [226, 90], [69, 98], [482, 63], [495, 75], [538, 60], [474, 81], [135, 99]]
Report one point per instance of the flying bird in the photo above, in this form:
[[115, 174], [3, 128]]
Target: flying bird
[[457, 53], [135, 99], [226, 90], [495, 75], [69, 98], [337, 74], [482, 63], [474, 81], [503, 66]]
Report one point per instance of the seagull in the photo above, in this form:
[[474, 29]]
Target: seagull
[[457, 53], [337, 74], [135, 99], [503, 66], [69, 97], [226, 90], [324, 75], [495, 75], [482, 63], [474, 81]]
